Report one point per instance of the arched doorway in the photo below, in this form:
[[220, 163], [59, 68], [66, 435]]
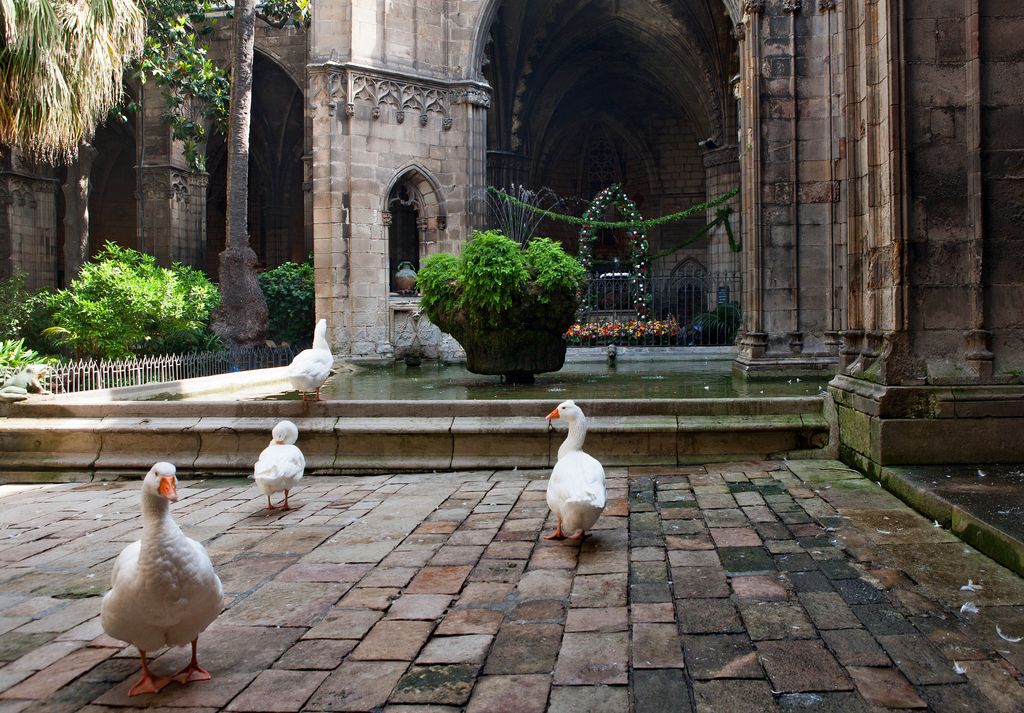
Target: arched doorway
[[276, 141]]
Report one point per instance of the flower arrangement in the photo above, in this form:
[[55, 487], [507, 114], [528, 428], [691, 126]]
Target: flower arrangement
[[634, 330]]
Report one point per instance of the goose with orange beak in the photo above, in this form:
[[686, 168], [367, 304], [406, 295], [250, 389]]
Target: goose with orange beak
[[163, 590], [576, 493]]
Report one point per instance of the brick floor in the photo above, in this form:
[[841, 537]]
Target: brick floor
[[760, 586]]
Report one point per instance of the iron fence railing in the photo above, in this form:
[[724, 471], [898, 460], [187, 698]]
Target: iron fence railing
[[83, 375], [688, 308]]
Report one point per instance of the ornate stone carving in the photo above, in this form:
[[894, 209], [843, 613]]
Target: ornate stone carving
[[326, 88], [401, 96], [791, 6], [385, 218], [739, 31], [442, 222], [826, 5], [753, 7], [477, 96], [180, 189], [23, 194]]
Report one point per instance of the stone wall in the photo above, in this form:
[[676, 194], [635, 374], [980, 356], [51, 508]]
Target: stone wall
[[28, 223]]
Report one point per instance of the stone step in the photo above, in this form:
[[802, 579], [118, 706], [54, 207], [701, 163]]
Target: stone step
[[49, 441]]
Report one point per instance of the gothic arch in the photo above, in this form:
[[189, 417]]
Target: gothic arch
[[277, 205], [433, 202]]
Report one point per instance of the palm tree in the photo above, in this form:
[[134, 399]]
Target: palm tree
[[241, 319], [62, 63]]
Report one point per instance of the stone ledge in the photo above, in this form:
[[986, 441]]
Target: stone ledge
[[967, 504], [80, 448]]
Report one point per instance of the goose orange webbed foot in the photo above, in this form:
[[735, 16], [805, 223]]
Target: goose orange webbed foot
[[192, 672], [148, 683], [580, 536], [557, 534]]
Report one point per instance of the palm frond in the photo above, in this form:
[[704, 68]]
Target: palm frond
[[62, 63]]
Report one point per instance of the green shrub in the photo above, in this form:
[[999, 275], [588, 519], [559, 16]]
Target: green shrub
[[123, 303], [14, 306], [436, 282], [290, 297], [552, 269], [495, 281]]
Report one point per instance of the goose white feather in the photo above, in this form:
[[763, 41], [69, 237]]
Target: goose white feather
[[281, 464], [576, 493], [311, 367], [164, 591]]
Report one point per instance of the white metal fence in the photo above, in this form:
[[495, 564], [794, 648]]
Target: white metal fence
[[90, 374]]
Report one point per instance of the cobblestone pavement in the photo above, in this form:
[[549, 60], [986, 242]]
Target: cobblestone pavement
[[762, 586]]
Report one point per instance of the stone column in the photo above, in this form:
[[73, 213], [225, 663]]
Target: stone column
[[933, 352], [76, 212], [785, 165], [477, 100]]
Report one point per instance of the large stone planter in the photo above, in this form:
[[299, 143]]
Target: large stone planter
[[528, 341]]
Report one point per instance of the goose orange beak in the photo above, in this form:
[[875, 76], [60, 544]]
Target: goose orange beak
[[168, 489], [553, 414]]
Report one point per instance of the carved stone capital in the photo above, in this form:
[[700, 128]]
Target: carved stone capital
[[826, 5], [792, 6], [476, 96], [753, 7], [739, 31], [385, 218]]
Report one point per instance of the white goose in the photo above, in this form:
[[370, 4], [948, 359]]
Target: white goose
[[281, 464], [164, 591], [311, 367], [576, 490]]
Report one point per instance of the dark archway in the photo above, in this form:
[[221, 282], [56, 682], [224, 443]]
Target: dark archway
[[113, 208], [623, 92], [276, 141]]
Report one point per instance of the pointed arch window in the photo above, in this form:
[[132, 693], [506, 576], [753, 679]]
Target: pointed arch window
[[406, 225]]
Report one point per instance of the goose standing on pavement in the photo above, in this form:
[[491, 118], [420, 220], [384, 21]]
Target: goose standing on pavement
[[281, 464], [163, 590], [576, 492]]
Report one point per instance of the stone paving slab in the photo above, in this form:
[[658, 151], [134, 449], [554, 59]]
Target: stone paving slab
[[749, 586]]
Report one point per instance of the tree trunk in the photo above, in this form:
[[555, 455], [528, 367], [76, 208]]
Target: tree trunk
[[241, 319], [76, 212]]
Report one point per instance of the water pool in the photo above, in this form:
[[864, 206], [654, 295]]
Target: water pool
[[634, 379]]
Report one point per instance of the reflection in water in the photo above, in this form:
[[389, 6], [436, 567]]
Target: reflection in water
[[661, 379]]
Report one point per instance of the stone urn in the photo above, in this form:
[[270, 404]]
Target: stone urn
[[529, 341], [405, 277]]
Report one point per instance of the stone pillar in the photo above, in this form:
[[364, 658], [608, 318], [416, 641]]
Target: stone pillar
[[28, 222], [476, 101], [786, 158], [76, 212], [932, 355]]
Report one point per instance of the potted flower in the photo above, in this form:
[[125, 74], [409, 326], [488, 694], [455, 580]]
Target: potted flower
[[508, 306]]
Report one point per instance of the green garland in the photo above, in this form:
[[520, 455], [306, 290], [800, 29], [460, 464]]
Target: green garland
[[643, 224], [639, 258], [721, 217]]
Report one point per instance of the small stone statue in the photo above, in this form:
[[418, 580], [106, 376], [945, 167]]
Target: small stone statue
[[613, 352], [19, 385]]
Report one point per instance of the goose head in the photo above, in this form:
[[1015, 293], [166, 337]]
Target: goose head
[[161, 482], [567, 410], [285, 433]]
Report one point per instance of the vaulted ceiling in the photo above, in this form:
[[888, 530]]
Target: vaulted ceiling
[[549, 60]]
